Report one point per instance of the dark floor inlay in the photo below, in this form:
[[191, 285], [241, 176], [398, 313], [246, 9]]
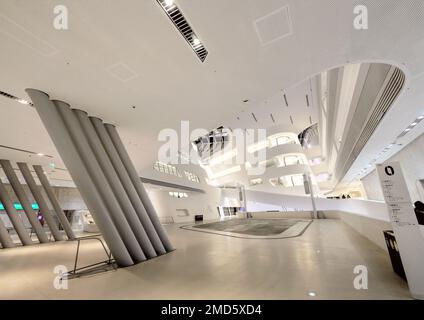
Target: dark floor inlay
[[254, 227]]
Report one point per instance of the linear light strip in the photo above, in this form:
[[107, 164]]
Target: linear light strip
[[26, 151], [180, 22], [10, 96]]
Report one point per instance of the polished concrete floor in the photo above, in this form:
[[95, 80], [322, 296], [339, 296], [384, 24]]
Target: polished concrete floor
[[256, 227], [208, 266]]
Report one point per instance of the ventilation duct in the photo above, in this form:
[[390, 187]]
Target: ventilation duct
[[180, 22], [381, 86]]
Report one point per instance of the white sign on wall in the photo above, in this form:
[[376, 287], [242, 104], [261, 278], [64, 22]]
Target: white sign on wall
[[405, 225]]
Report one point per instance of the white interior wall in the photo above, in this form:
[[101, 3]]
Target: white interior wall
[[69, 198], [411, 159], [262, 201], [184, 209]]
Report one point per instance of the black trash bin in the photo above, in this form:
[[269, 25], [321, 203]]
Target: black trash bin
[[392, 246]]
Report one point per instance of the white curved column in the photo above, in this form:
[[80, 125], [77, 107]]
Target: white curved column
[[111, 175], [5, 239], [127, 184], [102, 185], [141, 191], [23, 199], [14, 217], [36, 192], [80, 174], [53, 200]]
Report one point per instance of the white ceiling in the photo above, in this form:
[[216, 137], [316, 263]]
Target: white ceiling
[[169, 82]]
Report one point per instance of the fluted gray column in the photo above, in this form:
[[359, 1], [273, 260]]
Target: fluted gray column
[[77, 168], [130, 190], [5, 239], [138, 186], [100, 181], [13, 216], [113, 179], [36, 192], [53, 200], [23, 199]]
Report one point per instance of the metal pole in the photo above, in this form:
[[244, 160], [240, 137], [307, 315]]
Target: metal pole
[[138, 186], [312, 197], [80, 175], [100, 181], [13, 216], [36, 192], [53, 200], [127, 184], [23, 199], [113, 179]]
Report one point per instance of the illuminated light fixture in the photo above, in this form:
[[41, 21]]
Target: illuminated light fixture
[[312, 294], [40, 154], [222, 158], [196, 41], [19, 207], [420, 117], [407, 129], [20, 100], [258, 146], [226, 172], [180, 22]]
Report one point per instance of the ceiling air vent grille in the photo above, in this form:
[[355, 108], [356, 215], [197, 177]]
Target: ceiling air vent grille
[[390, 92], [391, 88], [180, 22]]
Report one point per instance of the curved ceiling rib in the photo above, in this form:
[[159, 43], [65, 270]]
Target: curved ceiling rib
[[377, 88]]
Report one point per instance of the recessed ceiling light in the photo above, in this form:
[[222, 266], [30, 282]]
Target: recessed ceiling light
[[23, 101], [40, 154], [196, 41], [312, 294], [20, 100], [181, 23]]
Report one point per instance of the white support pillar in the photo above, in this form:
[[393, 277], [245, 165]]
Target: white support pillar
[[138, 186], [53, 200], [23, 199], [73, 160], [38, 196], [14, 217]]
